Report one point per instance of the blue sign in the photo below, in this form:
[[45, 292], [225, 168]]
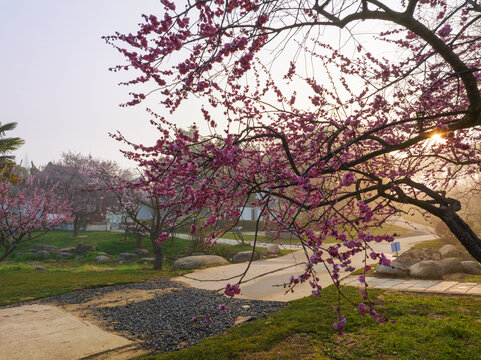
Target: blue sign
[[395, 246]]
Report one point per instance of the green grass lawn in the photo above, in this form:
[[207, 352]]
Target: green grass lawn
[[247, 237], [21, 283], [386, 229], [427, 327], [114, 243], [438, 243], [107, 241]]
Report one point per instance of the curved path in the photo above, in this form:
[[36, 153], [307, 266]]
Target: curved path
[[265, 279]]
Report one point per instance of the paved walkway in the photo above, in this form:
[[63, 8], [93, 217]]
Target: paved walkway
[[413, 285], [43, 332]]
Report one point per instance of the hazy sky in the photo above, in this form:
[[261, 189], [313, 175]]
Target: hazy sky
[[56, 85], [55, 81]]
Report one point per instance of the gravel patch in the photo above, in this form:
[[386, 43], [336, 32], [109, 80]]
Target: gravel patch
[[164, 323]]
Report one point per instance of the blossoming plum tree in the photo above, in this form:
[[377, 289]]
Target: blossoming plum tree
[[147, 214], [72, 177], [328, 107], [26, 207]]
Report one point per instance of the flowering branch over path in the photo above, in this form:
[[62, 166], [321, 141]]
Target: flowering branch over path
[[329, 127]]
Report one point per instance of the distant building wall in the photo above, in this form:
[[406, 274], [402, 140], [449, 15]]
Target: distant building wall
[[250, 213], [96, 227]]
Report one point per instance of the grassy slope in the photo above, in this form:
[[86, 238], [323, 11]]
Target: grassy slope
[[427, 327]]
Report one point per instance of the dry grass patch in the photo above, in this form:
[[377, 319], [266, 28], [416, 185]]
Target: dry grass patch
[[294, 347]]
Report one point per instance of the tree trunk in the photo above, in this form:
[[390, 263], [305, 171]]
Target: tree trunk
[[139, 241], [463, 232], [76, 226], [159, 255]]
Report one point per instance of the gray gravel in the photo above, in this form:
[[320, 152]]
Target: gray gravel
[[164, 323]]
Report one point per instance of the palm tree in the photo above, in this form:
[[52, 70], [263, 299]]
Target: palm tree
[[8, 144]]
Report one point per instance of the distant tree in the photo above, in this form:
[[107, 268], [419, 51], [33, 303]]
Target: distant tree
[[8, 144], [26, 207], [150, 214], [72, 177]]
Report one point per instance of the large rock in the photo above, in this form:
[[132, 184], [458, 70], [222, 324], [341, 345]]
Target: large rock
[[67, 250], [413, 256], [63, 255], [273, 249], [451, 265], [39, 267], [44, 254], [400, 265], [141, 252], [471, 267], [102, 258], [244, 256], [49, 248], [427, 269], [194, 262], [450, 251], [393, 269], [84, 248], [127, 256]]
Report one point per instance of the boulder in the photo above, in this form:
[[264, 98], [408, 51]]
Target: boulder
[[49, 248], [39, 267], [102, 258], [392, 270], [273, 249], [44, 254], [141, 252], [427, 269], [67, 250], [451, 265], [413, 256], [450, 251], [127, 256], [147, 260], [193, 262], [84, 248], [471, 267], [63, 255], [244, 256]]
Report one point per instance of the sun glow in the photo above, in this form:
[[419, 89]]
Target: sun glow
[[437, 139]]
